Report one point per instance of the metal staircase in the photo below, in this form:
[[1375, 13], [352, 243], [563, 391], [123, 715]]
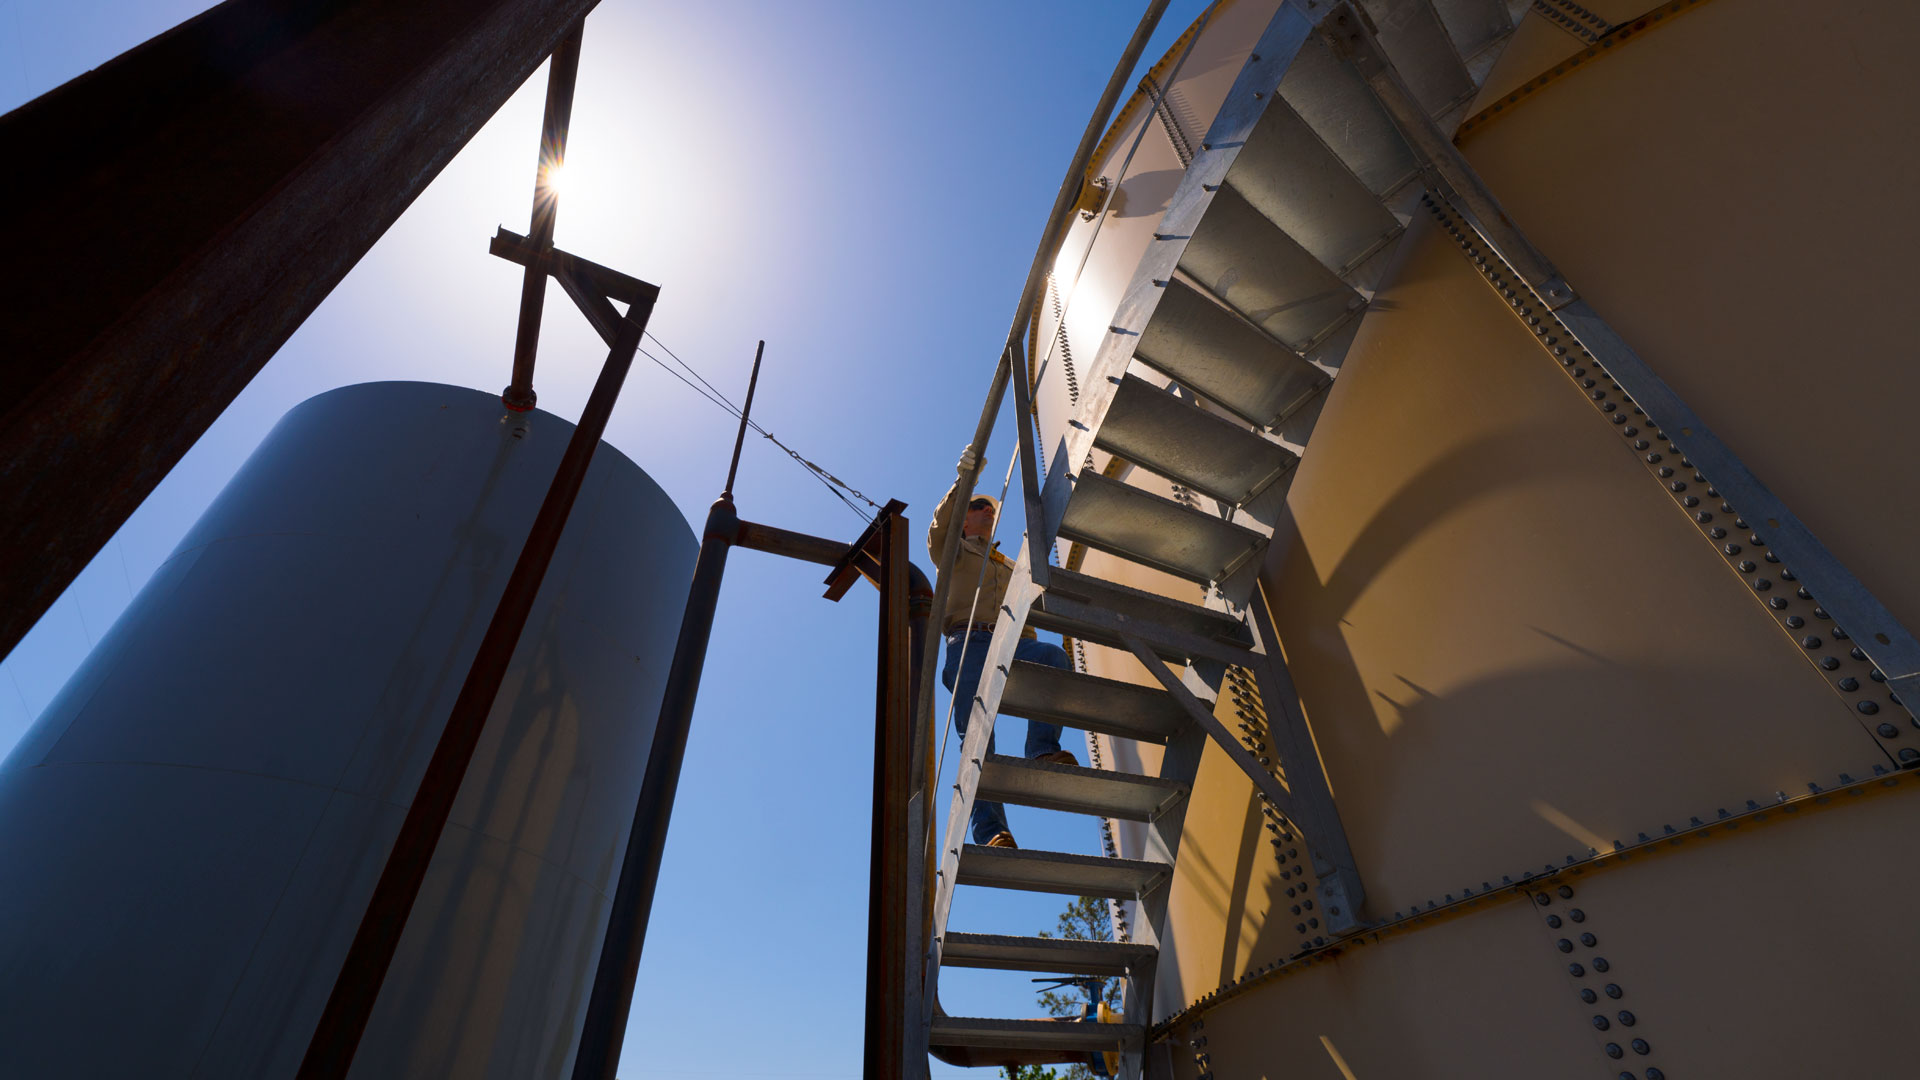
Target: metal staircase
[[1210, 378]]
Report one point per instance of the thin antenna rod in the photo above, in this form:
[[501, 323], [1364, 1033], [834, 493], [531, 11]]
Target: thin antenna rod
[[745, 411]]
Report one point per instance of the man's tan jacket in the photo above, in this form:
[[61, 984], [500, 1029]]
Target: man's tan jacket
[[966, 572]]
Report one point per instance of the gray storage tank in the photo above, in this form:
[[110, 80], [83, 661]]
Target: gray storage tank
[[190, 832]]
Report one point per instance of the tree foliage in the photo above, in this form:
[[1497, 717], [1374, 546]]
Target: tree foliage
[[1087, 918]]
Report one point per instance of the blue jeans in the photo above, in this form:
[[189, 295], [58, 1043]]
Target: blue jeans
[[990, 818]]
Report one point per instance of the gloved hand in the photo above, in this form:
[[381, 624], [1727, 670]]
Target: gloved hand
[[968, 462]]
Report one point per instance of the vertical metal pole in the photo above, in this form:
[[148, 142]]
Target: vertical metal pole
[[919, 869], [746, 410], [337, 1038], [888, 917], [605, 1028], [562, 72]]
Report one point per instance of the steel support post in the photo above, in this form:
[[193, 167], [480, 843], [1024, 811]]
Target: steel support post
[[605, 1028], [331, 1051], [919, 896], [900, 896], [562, 73], [119, 354], [888, 916]]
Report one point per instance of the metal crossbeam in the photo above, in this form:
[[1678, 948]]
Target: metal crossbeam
[[591, 286]]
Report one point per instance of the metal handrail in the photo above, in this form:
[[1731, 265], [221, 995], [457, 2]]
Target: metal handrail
[[1063, 204], [1057, 222]]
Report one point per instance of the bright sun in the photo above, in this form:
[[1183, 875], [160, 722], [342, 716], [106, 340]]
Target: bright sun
[[557, 179]]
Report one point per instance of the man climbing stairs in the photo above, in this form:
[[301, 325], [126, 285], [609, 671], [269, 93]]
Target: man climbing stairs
[[1208, 384]]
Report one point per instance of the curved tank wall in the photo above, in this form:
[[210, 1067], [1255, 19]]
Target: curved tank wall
[[189, 834], [1614, 814]]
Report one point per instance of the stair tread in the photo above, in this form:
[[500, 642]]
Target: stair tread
[[1334, 101], [1145, 528], [1266, 275], [1075, 789], [1175, 438], [1129, 600], [1290, 176], [1473, 24], [1031, 1034], [1090, 702], [1211, 350], [1416, 41], [1062, 955], [1091, 609], [1034, 870]]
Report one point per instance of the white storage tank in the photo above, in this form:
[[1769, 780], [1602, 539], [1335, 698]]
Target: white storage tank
[[190, 833]]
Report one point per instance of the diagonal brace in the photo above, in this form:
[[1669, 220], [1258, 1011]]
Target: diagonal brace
[[588, 284], [1341, 892], [1197, 710]]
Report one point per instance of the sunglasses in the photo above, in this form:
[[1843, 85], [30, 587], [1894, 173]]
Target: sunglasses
[[980, 504]]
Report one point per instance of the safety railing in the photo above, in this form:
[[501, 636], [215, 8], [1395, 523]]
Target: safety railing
[[1058, 219]]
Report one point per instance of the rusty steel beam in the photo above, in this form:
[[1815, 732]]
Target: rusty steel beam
[[561, 77], [176, 213], [890, 917], [336, 1038]]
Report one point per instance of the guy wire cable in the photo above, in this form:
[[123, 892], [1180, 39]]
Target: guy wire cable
[[705, 389]]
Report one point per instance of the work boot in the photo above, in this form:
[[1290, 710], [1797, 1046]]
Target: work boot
[[1002, 839], [1058, 757]]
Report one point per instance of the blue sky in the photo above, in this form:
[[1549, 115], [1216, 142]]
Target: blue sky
[[862, 185]]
